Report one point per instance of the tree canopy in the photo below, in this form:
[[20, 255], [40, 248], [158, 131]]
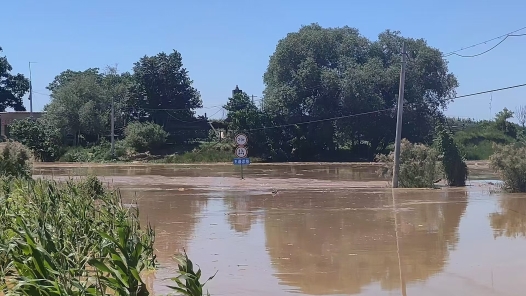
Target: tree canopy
[[162, 93], [161, 84], [12, 87], [81, 102], [319, 73]]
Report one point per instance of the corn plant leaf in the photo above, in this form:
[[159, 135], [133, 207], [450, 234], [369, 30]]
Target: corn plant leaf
[[99, 265], [180, 290]]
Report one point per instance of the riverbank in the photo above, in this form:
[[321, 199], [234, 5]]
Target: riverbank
[[472, 164]]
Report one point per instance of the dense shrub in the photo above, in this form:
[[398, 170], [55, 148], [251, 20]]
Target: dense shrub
[[42, 139], [510, 162], [455, 168], [205, 153], [419, 165], [143, 137], [15, 160], [96, 153]]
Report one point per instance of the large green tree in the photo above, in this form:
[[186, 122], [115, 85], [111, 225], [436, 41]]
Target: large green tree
[[81, 102], [319, 73], [163, 93], [12, 87]]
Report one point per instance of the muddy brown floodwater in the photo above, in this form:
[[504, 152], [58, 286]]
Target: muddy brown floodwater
[[331, 229]]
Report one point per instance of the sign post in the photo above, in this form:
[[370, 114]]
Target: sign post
[[241, 152]]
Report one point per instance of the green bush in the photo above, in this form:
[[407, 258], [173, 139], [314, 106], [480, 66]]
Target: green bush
[[510, 162], [143, 137], [419, 165], [43, 140], [15, 160], [455, 168]]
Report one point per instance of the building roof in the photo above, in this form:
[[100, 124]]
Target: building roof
[[21, 112]]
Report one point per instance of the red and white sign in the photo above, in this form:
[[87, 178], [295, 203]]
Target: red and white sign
[[241, 152], [241, 139]]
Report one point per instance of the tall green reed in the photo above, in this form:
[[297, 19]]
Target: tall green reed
[[71, 238], [188, 281]]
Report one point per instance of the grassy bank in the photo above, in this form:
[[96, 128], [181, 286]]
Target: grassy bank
[[478, 144]]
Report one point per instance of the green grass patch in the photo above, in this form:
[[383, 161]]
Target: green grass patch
[[477, 143], [481, 151]]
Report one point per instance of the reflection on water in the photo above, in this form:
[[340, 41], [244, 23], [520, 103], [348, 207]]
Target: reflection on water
[[173, 217], [315, 238], [354, 236], [511, 220]]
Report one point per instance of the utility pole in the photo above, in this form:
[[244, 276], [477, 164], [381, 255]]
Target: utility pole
[[112, 127], [30, 92], [398, 138], [252, 96]]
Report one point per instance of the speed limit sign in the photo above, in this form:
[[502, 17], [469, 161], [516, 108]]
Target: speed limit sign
[[241, 152], [241, 139]]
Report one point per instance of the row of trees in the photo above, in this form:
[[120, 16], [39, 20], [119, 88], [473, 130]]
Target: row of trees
[[320, 73], [314, 75], [159, 91]]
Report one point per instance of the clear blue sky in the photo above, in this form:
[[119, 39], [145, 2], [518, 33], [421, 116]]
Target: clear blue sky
[[224, 43]]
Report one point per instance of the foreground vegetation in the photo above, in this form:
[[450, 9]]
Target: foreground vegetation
[[73, 238]]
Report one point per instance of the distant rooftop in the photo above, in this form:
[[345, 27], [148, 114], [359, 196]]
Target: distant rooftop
[[21, 112]]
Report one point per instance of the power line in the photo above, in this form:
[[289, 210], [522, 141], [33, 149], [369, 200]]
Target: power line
[[320, 120], [379, 111], [193, 121], [173, 109], [36, 92], [490, 91], [505, 36]]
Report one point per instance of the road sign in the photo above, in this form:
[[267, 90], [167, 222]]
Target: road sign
[[241, 139], [241, 152], [241, 161]]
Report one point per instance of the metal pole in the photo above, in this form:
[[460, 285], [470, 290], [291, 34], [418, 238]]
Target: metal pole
[[398, 138], [30, 93], [112, 127], [241, 172]]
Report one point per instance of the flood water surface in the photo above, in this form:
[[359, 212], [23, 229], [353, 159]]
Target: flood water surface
[[325, 230]]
